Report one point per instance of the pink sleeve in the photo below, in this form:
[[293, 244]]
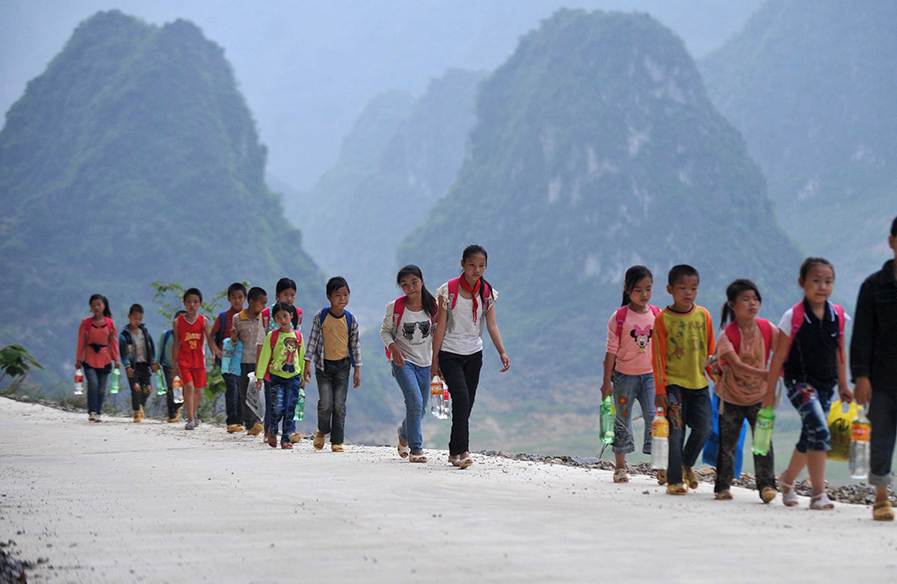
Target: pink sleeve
[[613, 341]]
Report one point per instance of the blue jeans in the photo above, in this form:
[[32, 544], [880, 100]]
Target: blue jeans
[[813, 405], [415, 384], [96, 387], [627, 390], [687, 407], [283, 393], [333, 388], [231, 399]]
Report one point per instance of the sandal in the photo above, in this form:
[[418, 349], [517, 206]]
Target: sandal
[[677, 489], [464, 462], [724, 495], [454, 460], [821, 502], [621, 476], [789, 494], [691, 477], [661, 476], [319, 440], [768, 494], [417, 457], [404, 451], [883, 511], [272, 440]]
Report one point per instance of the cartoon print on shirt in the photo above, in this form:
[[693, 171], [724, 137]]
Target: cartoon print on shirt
[[642, 336], [290, 354], [408, 330], [424, 326]]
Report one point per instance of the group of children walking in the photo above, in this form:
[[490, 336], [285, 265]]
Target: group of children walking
[[668, 354], [264, 350], [660, 358]]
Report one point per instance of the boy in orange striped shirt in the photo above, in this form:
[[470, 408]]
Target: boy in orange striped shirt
[[683, 341]]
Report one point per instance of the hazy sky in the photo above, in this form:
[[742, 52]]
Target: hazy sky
[[308, 68]]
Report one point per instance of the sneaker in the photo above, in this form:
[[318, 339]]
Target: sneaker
[[239, 428], [190, 426], [97, 418], [319, 441], [336, 447], [768, 494], [256, 429], [91, 417], [295, 437], [287, 445], [231, 428]]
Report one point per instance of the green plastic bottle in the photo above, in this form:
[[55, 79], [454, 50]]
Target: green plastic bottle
[[300, 406], [115, 382], [607, 420], [160, 382], [763, 431]]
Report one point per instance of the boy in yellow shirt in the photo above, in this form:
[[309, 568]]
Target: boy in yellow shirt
[[683, 341], [333, 349]]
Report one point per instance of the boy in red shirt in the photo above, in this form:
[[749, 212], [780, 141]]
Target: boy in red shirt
[[188, 357]]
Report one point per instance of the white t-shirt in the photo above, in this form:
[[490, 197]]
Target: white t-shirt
[[462, 336], [414, 337]]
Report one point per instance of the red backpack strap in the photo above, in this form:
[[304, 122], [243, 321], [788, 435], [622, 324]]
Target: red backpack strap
[[266, 317], [766, 331], [655, 310], [798, 315], [398, 308], [453, 285], [620, 316], [487, 296], [734, 335], [839, 310]]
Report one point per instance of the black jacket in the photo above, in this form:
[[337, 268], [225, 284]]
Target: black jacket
[[126, 346], [873, 348]]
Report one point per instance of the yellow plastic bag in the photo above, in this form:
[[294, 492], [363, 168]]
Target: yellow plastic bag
[[840, 418]]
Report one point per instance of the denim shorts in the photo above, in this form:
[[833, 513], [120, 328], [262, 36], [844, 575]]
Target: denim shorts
[[812, 405]]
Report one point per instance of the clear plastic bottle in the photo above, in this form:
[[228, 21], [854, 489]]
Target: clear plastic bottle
[[115, 381], [660, 441], [607, 420], [763, 431], [160, 382], [860, 432], [79, 381], [446, 404], [178, 386], [438, 398]]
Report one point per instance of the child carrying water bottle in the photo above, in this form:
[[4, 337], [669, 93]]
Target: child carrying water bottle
[[811, 350], [743, 351], [628, 370]]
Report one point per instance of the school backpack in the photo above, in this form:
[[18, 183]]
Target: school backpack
[[485, 293], [734, 333], [274, 335], [623, 311], [799, 317], [398, 310]]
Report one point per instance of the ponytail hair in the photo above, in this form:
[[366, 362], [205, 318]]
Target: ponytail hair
[[736, 289], [633, 276], [106, 312], [429, 302]]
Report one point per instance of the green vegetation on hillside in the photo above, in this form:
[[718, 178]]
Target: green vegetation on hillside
[[133, 158], [597, 148], [811, 85]]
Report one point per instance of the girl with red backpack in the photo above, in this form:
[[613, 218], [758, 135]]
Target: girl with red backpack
[[628, 369], [407, 334], [465, 304], [97, 350], [810, 354], [743, 355]]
